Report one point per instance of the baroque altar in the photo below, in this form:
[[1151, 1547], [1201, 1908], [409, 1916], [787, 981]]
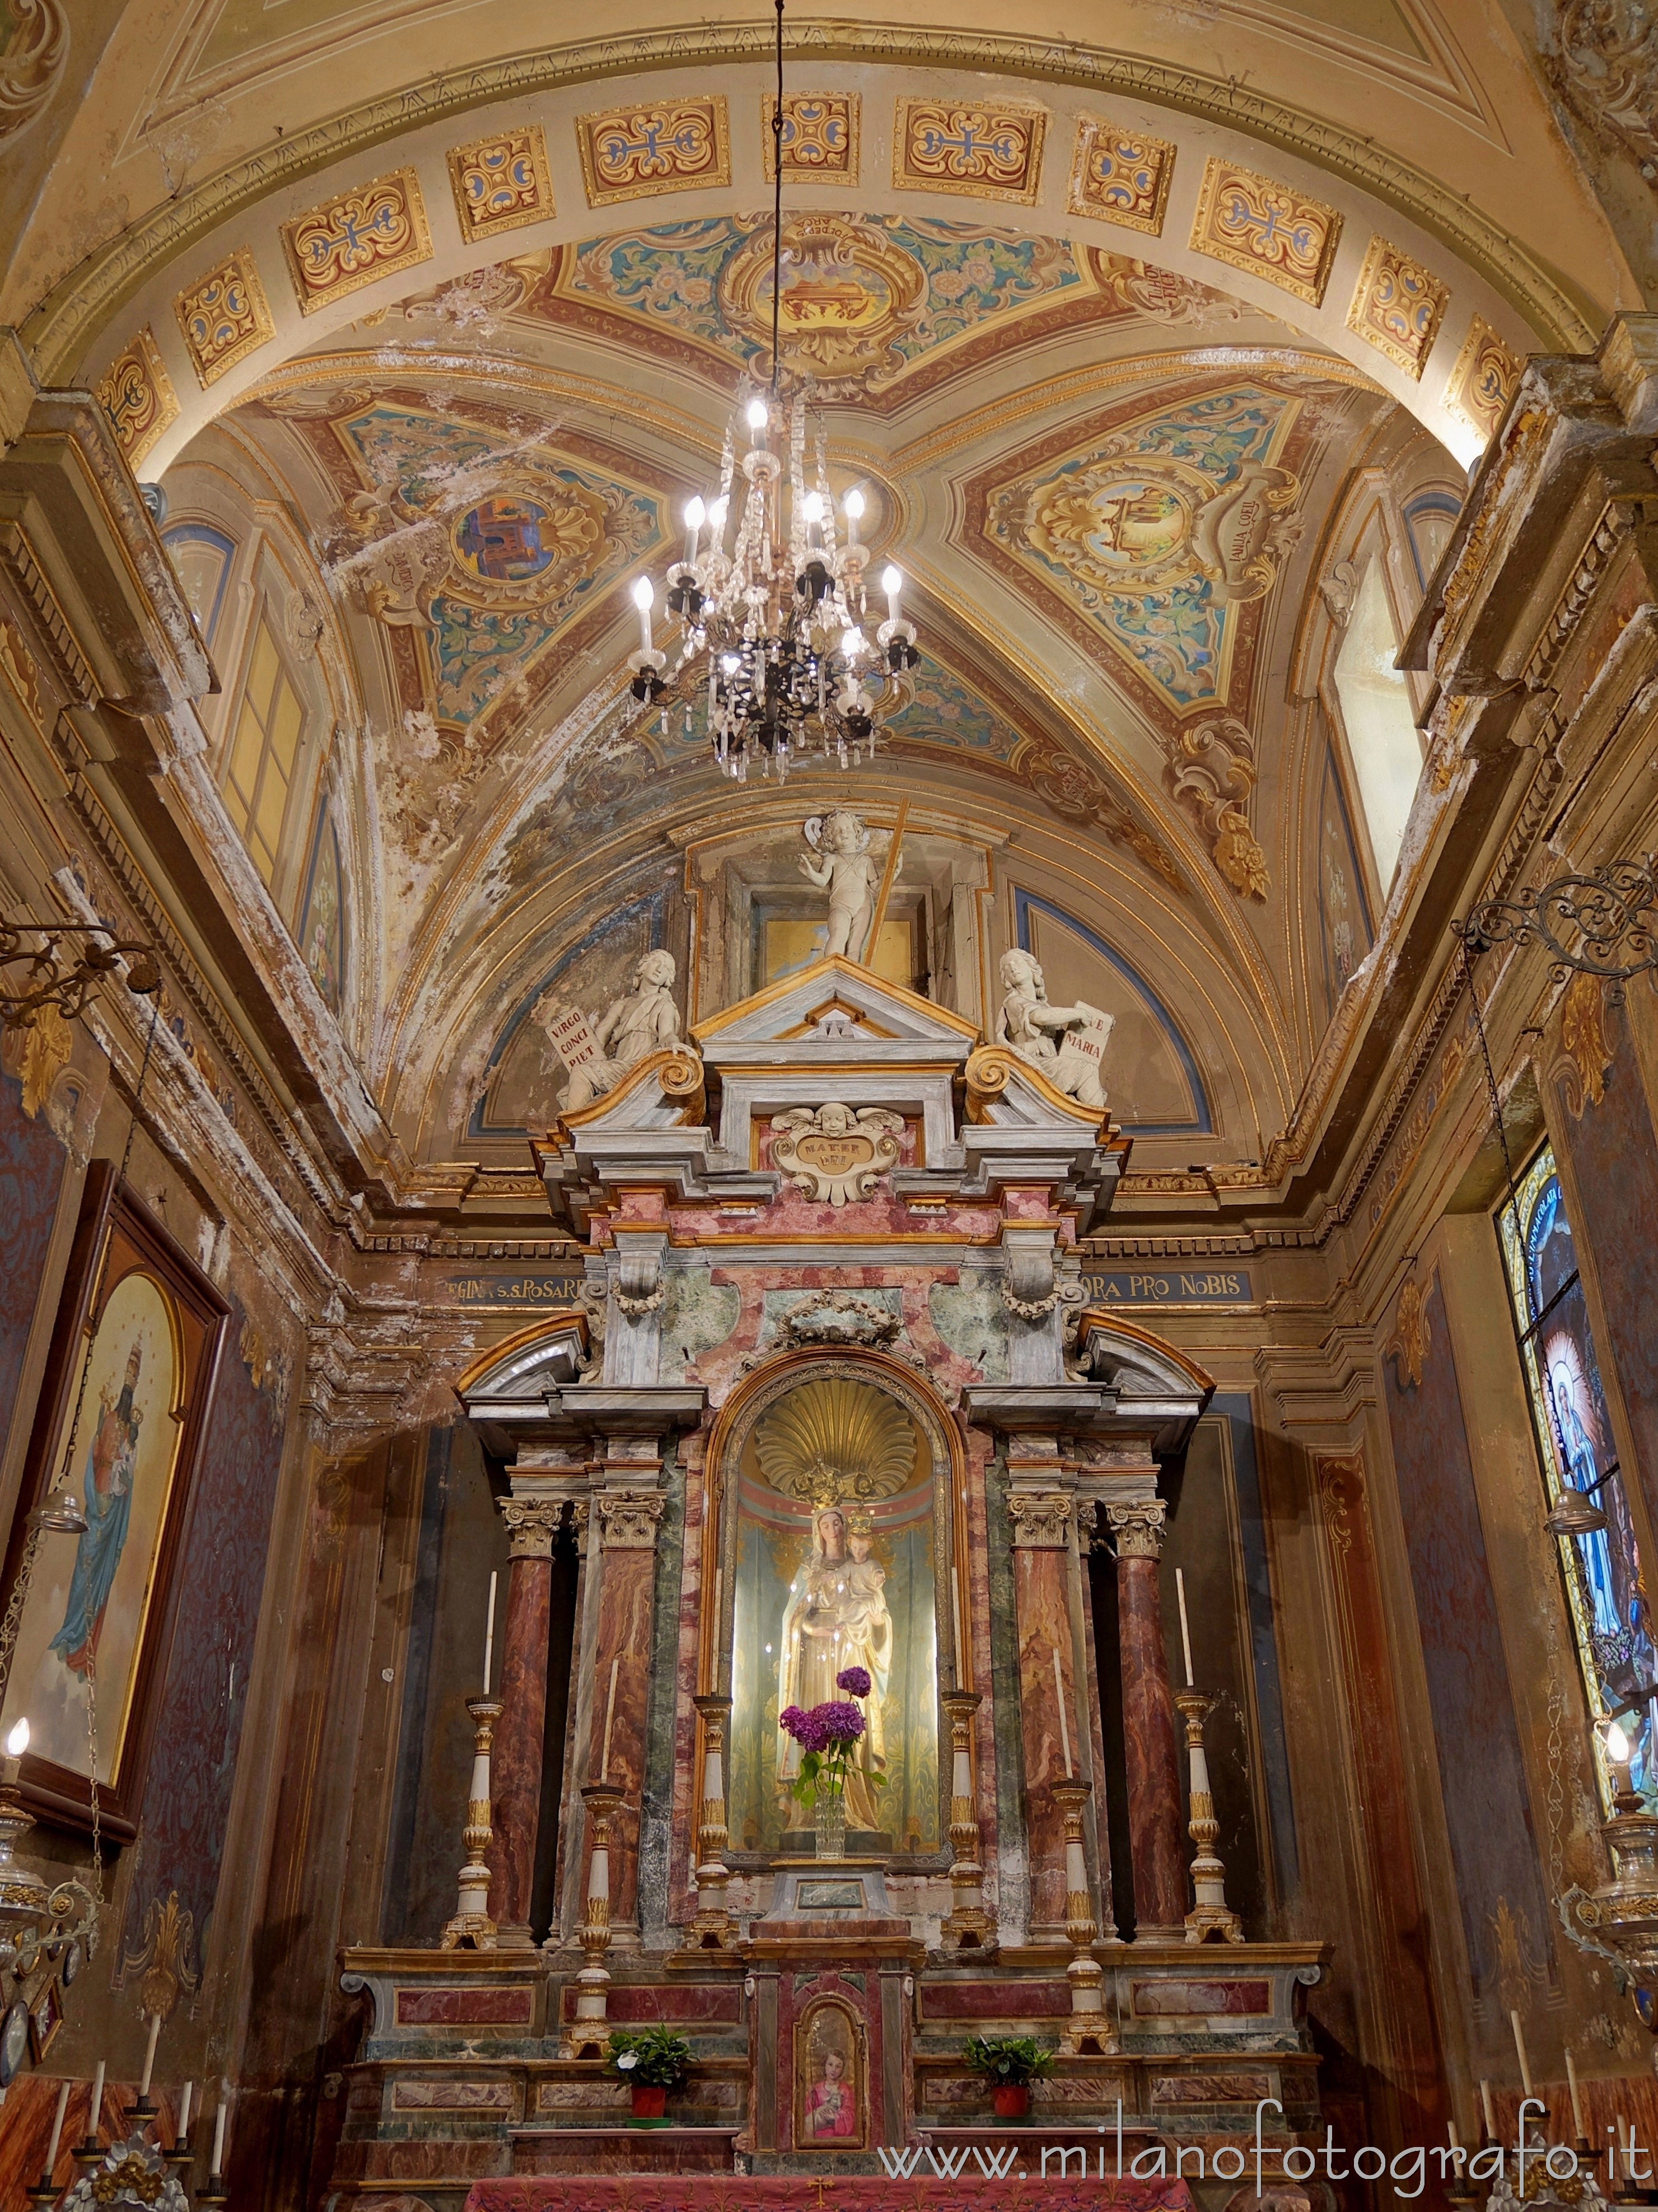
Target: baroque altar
[[833, 1397]]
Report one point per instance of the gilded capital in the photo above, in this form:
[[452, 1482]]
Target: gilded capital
[[1041, 1520], [531, 1525], [1138, 1527], [628, 1519]]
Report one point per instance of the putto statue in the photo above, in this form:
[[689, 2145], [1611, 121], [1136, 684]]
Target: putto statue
[[845, 869], [1066, 1043], [598, 1055]]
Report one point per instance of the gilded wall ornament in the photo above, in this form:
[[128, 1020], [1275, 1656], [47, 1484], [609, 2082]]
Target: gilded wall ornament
[[501, 182], [836, 1153], [224, 316], [675, 146], [992, 149], [819, 136], [1590, 1052], [1482, 382], [1411, 1343], [1212, 773], [1075, 793], [1267, 228], [357, 238], [1120, 175], [1398, 305], [137, 394]]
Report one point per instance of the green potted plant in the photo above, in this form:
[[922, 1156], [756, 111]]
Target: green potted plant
[[1010, 2063], [651, 2061]]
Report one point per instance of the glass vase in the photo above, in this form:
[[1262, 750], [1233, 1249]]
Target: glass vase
[[830, 1824]]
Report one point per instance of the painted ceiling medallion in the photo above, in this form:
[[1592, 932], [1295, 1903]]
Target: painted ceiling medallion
[[1161, 528]]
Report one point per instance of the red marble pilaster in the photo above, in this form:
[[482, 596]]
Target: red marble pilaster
[[619, 1694], [1040, 1521], [532, 1524], [1150, 1750]]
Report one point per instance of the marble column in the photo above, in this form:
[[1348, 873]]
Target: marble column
[[619, 1688], [531, 1525], [1151, 1753], [1040, 1521]]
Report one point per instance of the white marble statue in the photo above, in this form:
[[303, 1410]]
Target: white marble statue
[[1067, 1043], [598, 1055], [849, 874]]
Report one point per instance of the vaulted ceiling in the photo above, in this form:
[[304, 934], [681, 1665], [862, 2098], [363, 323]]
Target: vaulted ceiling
[[1140, 365]]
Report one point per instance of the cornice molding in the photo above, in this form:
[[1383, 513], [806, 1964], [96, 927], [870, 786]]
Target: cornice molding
[[63, 324]]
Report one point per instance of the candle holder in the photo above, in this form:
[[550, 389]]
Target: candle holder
[[181, 2154], [1088, 2030], [604, 1801], [714, 1929], [44, 2192], [968, 1926], [472, 1925], [213, 2190], [1211, 1914]]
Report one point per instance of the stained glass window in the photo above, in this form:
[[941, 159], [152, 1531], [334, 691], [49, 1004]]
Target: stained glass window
[[1610, 1610]]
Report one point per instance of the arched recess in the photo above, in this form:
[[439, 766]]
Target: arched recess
[[735, 1534]]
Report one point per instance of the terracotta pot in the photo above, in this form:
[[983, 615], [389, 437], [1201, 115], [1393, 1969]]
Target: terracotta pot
[[650, 2100], [1012, 2099]]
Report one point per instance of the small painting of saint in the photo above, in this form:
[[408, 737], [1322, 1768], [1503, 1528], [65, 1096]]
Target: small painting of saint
[[106, 1494], [828, 2079]]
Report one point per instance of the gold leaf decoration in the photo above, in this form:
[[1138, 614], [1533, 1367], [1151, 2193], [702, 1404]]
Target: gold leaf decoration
[[829, 1441]]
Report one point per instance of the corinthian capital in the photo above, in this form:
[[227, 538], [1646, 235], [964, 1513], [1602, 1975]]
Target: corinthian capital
[[628, 1519], [531, 1525], [1138, 1527]]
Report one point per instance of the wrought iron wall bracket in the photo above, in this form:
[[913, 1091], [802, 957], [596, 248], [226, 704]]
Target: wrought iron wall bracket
[[55, 974], [1602, 923]]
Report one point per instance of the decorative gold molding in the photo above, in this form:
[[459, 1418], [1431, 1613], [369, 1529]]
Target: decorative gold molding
[[1589, 1052], [1412, 1341], [65, 323]]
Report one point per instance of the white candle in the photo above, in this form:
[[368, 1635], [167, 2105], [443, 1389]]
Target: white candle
[[149, 2055], [489, 1637], [1185, 1632], [215, 2164], [610, 1721], [96, 2110], [1578, 2128], [63, 2088], [1456, 2140], [1520, 2046], [1064, 1728], [183, 2111], [1485, 2108]]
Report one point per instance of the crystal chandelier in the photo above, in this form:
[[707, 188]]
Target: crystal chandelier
[[770, 592]]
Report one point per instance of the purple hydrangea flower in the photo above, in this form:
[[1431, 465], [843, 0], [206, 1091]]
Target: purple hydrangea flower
[[842, 1722], [854, 1680]]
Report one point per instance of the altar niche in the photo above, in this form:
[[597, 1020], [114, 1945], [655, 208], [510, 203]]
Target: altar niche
[[834, 1547]]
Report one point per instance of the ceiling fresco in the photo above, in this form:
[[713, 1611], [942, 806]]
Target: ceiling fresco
[[1155, 534], [876, 308]]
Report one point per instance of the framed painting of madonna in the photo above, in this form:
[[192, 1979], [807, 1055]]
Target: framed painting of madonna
[[129, 1377]]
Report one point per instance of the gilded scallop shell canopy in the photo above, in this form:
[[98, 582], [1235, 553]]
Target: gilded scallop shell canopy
[[830, 1442]]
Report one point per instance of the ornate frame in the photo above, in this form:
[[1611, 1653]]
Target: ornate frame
[[115, 1237]]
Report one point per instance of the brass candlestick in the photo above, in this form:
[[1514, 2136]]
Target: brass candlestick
[[472, 1925], [1211, 1914], [604, 1801], [1088, 2029], [968, 1926], [714, 1929]]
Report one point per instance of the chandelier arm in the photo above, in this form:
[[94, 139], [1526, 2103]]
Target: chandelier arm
[[777, 209]]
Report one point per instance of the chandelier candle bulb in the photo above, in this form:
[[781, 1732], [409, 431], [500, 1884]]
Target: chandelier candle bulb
[[1485, 2111], [695, 515], [892, 583], [1185, 1632], [643, 595], [1578, 2129], [1520, 2048], [852, 508], [17, 1743]]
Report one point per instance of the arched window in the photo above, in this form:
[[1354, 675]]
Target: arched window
[[263, 756], [1376, 715]]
